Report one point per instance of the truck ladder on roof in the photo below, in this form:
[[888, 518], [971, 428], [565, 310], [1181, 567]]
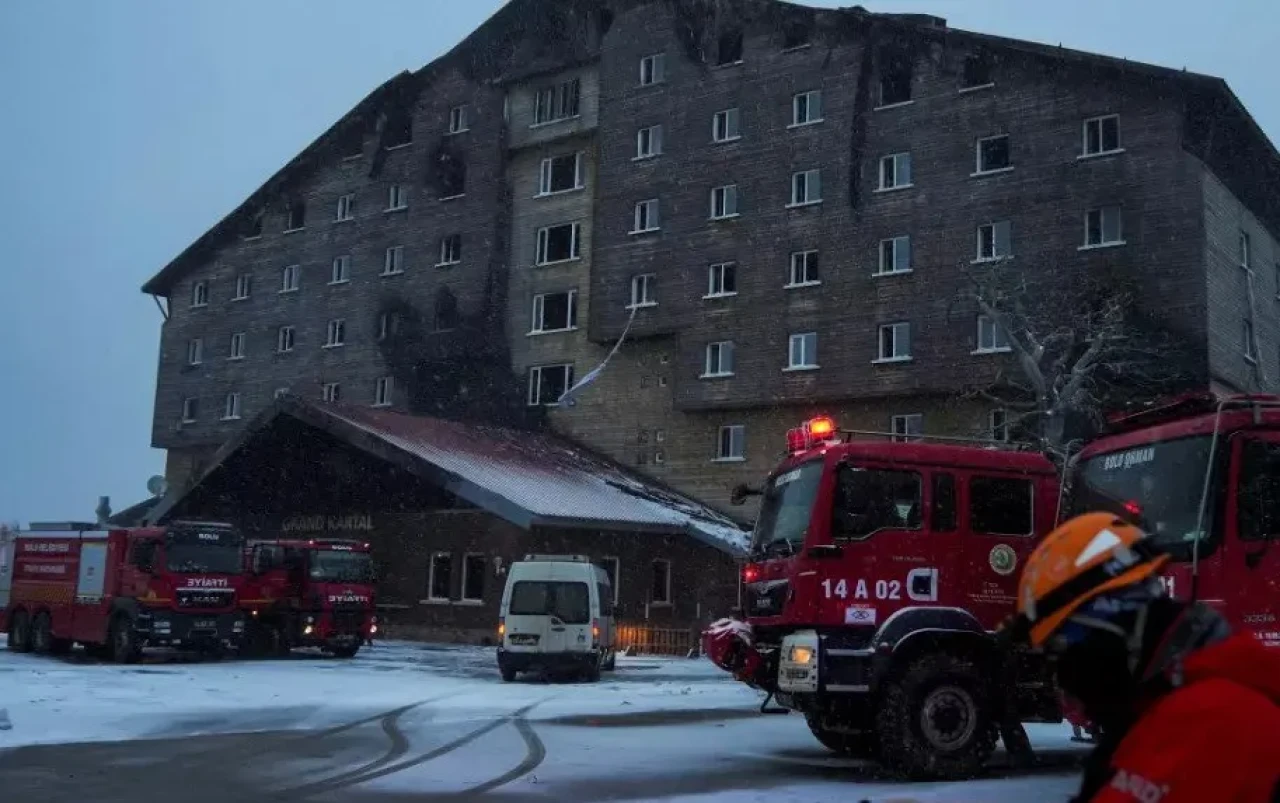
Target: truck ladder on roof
[[989, 443]]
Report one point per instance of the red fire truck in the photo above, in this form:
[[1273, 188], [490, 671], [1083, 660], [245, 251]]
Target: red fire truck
[[315, 592], [1201, 474], [117, 591], [877, 574]]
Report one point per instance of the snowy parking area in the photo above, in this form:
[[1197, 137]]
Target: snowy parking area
[[410, 721]]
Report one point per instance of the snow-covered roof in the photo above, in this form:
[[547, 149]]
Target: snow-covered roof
[[554, 481]]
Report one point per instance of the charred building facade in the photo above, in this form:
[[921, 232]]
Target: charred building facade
[[780, 206]]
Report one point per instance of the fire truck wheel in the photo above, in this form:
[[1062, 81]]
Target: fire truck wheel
[[611, 663], [42, 634], [853, 745], [935, 721], [124, 645], [20, 632], [346, 652]]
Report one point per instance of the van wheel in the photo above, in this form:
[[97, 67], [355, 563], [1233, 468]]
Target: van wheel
[[42, 634], [20, 632]]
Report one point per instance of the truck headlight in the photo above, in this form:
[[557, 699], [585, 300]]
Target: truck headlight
[[802, 655]]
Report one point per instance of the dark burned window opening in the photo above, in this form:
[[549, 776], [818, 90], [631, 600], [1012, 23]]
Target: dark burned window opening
[[795, 35], [976, 72], [351, 142], [729, 48], [895, 80], [445, 316], [388, 325], [295, 215], [399, 129], [453, 176], [253, 226]]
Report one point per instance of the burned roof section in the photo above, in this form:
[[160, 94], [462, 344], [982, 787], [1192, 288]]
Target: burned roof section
[[530, 37]]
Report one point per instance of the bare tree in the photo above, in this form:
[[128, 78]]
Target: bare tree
[[1079, 348]]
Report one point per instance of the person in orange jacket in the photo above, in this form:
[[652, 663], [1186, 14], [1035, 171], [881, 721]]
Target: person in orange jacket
[[1187, 711]]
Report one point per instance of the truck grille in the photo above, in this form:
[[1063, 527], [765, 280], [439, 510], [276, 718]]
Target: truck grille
[[205, 598], [348, 621]]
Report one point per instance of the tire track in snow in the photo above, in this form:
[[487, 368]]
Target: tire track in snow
[[383, 767], [535, 754]]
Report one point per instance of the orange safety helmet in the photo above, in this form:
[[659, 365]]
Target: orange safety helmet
[[1079, 561]]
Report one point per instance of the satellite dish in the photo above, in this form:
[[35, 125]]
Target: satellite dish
[[156, 486]]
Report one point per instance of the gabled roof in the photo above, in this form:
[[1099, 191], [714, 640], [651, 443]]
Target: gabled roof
[[529, 479]]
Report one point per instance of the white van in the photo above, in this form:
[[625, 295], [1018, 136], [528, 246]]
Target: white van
[[556, 616]]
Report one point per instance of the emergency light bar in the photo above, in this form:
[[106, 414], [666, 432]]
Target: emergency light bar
[[812, 432]]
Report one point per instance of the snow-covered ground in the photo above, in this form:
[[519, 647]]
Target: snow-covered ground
[[408, 719]]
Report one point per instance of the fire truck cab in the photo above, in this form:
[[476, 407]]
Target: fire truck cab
[[316, 592], [1201, 475], [878, 572], [117, 591]]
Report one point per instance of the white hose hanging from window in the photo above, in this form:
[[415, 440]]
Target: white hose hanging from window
[[568, 397]]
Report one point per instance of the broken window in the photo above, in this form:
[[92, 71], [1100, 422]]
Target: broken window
[[729, 50], [895, 80]]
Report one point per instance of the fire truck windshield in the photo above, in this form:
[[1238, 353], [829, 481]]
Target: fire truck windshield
[[785, 510], [1158, 486], [183, 553], [330, 566]]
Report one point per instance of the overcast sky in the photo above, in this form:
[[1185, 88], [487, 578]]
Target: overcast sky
[[132, 126]]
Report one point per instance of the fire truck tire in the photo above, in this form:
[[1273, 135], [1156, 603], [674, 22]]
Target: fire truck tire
[[611, 663], [935, 721], [853, 745], [124, 647], [42, 634], [20, 632], [346, 652]]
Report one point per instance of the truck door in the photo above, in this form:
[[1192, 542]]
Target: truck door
[[1251, 551], [999, 525], [879, 522]]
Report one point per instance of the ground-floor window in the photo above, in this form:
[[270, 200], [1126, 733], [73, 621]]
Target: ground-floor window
[[439, 576], [660, 586], [610, 566], [473, 568]]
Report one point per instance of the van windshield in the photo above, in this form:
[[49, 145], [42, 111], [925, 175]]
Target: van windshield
[[567, 601]]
